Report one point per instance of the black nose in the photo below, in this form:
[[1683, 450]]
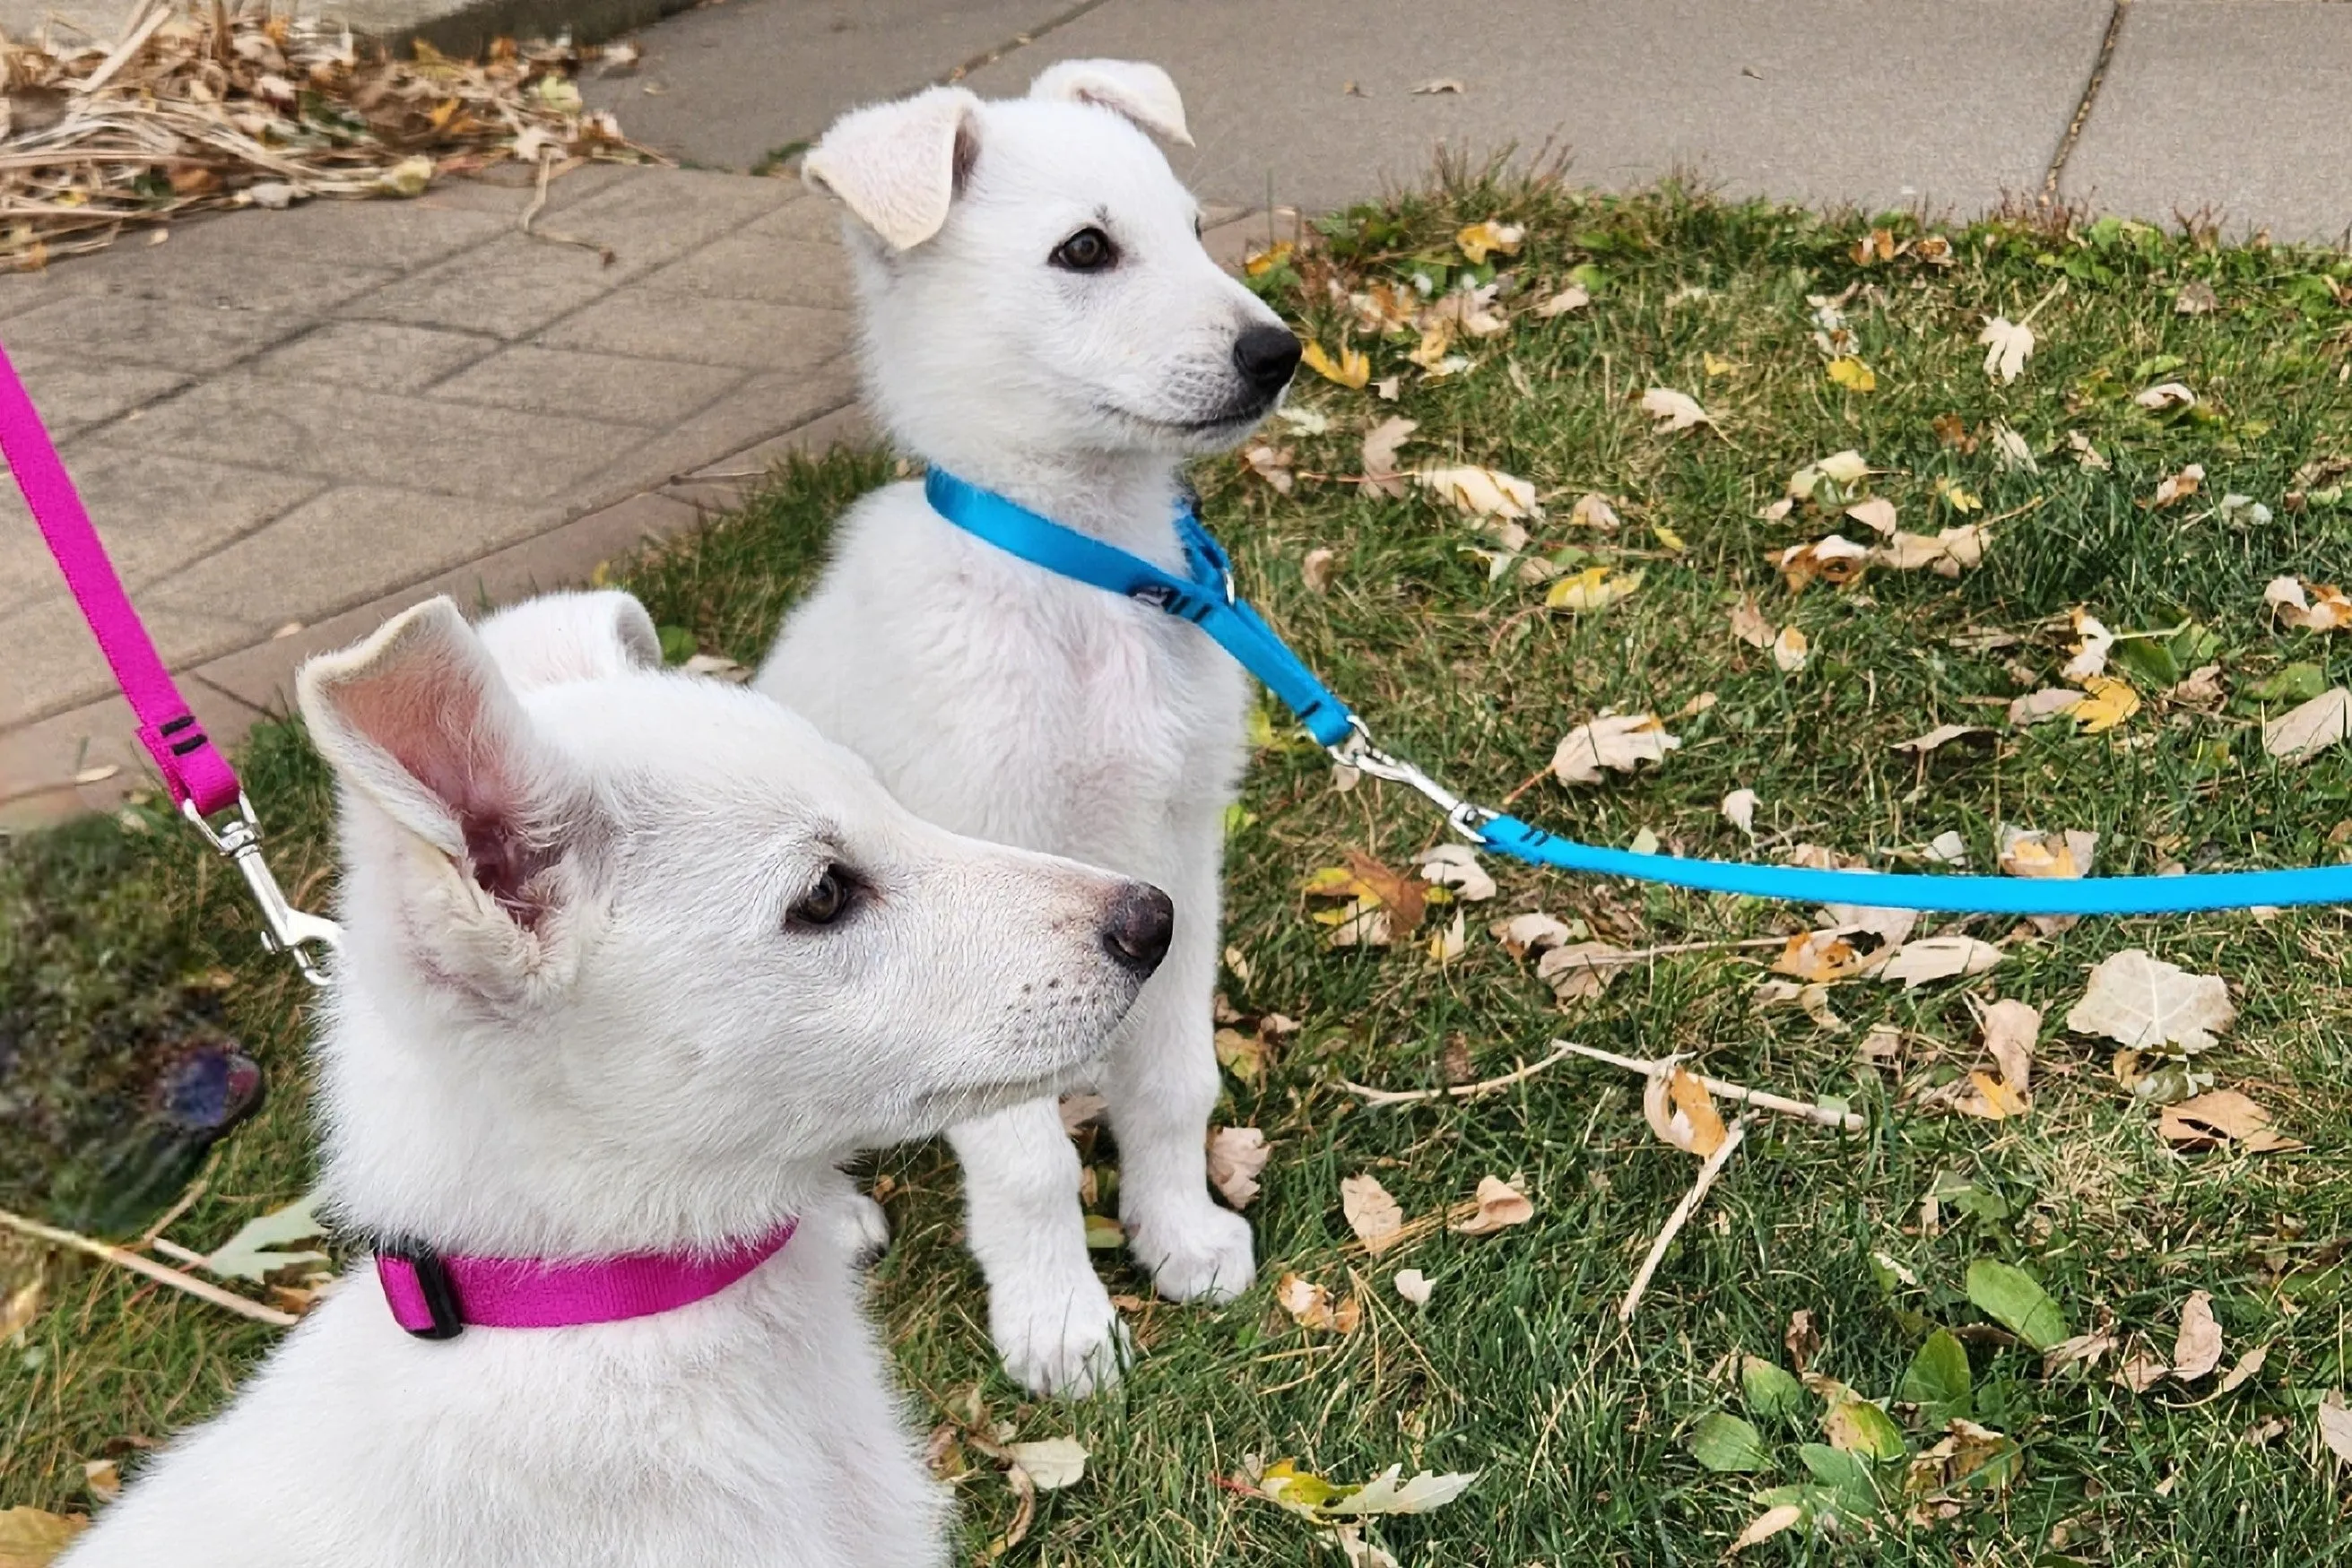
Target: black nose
[[1137, 927], [1266, 355]]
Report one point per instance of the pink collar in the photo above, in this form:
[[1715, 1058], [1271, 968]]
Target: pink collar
[[436, 1297]]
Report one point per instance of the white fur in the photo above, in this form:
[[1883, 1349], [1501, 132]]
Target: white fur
[[997, 699], [571, 1020]]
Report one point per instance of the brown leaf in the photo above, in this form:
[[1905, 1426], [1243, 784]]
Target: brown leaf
[[1371, 1213], [32, 1537], [1405, 896], [1580, 971], [1236, 1156], [1497, 1206], [1803, 1342], [1381, 471], [2198, 1349], [2140, 1372], [2336, 1426], [1747, 623], [2218, 1116]]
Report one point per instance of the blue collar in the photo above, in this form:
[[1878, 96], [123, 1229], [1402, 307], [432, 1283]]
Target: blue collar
[[1205, 597]]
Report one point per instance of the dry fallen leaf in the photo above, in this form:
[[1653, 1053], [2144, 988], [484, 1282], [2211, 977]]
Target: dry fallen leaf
[[1575, 297], [1315, 569], [1371, 1213], [1236, 1156], [2288, 601], [1308, 1303], [1877, 514], [1934, 959], [2012, 451], [1789, 650], [1532, 933], [1352, 369], [1768, 1524], [2107, 701], [1593, 511], [2048, 703], [2179, 486], [1580, 971], [1947, 553], [1943, 735], [2143, 1002], [2221, 1114], [1499, 1206], [2007, 345], [2302, 732], [2011, 1030], [1381, 444], [1594, 587], [1679, 1109], [2165, 395], [1486, 237], [1835, 560], [1456, 866], [1614, 741], [1674, 410], [2061, 856], [2336, 1426], [1438, 85], [1271, 464], [2141, 1371], [1747, 623], [2197, 1349], [1414, 1286], [33, 1538], [1817, 957], [1483, 492], [1738, 809]]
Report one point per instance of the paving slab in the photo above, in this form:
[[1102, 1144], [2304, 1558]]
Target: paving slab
[[53, 664], [728, 85], [657, 394], [1882, 103], [40, 762], [379, 356], [2240, 111]]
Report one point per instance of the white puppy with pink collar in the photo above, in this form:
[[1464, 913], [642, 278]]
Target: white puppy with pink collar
[[632, 959]]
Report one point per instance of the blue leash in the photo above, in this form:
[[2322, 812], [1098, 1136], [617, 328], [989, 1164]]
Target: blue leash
[[1205, 597]]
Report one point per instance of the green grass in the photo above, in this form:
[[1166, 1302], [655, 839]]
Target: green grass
[[1518, 1366]]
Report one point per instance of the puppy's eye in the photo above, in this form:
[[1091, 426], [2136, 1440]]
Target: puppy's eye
[[826, 902], [1088, 250]]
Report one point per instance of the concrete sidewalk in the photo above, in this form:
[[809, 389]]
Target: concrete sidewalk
[[291, 424]]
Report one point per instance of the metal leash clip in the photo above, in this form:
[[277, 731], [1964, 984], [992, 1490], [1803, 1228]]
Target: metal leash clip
[[285, 929], [1359, 752]]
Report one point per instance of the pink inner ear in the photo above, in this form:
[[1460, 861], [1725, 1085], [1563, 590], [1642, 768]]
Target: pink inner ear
[[438, 723]]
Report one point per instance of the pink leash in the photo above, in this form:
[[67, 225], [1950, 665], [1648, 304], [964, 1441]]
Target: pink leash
[[201, 782], [431, 1296], [436, 1297]]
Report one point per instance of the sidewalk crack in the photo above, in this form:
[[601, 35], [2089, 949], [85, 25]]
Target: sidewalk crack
[[2083, 108], [1022, 40]]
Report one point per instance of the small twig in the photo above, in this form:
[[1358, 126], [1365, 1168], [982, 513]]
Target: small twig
[[185, 1201], [1681, 1217], [2055, 291], [538, 200], [1460, 1092], [1738, 1094], [123, 1256]]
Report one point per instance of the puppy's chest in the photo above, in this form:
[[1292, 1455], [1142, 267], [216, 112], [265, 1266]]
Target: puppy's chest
[[1132, 707]]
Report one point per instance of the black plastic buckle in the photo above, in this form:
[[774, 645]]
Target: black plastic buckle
[[433, 1284]]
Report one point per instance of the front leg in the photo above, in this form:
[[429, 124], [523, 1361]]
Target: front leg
[[1051, 1320], [1160, 1083]]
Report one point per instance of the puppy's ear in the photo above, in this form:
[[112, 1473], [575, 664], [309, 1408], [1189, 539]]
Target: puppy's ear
[[896, 165], [1142, 92], [561, 637], [418, 722]]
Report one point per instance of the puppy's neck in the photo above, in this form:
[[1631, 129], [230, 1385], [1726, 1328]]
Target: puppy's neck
[[1125, 498], [463, 1138]]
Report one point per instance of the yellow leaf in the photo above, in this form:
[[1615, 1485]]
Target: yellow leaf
[[2111, 702], [30, 1537], [1715, 365], [1668, 540], [1852, 374], [1994, 1100], [1594, 587], [1481, 239], [1959, 500], [1352, 370], [1262, 262]]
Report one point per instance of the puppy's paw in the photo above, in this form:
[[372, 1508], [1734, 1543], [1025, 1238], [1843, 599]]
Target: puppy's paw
[[1067, 1343], [1203, 1253], [868, 1230]]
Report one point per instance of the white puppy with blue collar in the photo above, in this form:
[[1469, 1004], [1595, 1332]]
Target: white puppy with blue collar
[[1040, 320]]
